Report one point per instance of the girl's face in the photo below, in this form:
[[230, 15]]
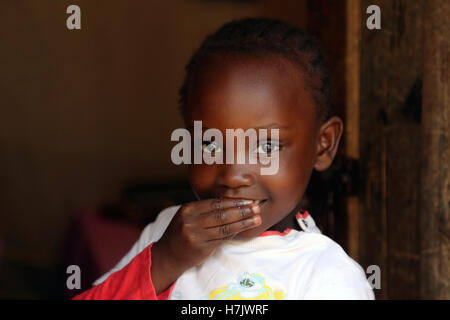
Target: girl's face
[[248, 92]]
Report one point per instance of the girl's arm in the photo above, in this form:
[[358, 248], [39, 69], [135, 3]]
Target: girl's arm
[[132, 282], [152, 233], [192, 236]]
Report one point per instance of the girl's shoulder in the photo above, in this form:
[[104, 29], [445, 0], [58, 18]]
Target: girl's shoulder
[[154, 230], [330, 273], [326, 252]]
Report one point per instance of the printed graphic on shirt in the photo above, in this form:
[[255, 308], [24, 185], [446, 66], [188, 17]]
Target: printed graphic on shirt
[[176, 295], [248, 287]]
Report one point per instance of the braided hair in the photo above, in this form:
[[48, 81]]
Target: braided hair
[[264, 36]]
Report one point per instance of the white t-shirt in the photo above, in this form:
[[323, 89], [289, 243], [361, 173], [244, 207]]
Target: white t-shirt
[[291, 265]]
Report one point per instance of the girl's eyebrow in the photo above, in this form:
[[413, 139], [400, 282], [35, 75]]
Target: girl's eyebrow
[[273, 125], [269, 126]]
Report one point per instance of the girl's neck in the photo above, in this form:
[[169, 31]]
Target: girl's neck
[[290, 221]]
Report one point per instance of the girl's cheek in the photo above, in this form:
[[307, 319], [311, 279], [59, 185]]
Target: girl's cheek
[[289, 172], [292, 175], [201, 178]]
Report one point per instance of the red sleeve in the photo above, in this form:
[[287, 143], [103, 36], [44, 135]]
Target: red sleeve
[[132, 282]]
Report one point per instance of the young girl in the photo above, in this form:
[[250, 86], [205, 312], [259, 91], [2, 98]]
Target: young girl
[[246, 237]]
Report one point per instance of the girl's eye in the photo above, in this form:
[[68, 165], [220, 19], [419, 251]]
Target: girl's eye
[[268, 148], [210, 147]]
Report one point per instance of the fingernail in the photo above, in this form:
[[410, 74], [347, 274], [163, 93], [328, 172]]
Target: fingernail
[[255, 208]]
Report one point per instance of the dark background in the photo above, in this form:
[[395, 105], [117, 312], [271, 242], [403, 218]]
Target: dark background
[[86, 117]]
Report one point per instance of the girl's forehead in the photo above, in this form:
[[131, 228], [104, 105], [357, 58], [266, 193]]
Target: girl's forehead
[[248, 92]]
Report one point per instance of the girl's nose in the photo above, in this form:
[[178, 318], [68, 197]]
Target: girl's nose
[[235, 176]]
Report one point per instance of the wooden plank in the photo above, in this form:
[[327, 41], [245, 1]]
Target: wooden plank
[[435, 173], [390, 142], [352, 93]]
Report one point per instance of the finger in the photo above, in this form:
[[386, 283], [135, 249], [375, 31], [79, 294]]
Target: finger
[[228, 230], [207, 205], [220, 217]]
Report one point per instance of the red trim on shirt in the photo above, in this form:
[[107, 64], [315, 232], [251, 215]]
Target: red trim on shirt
[[275, 233], [132, 282], [302, 216]]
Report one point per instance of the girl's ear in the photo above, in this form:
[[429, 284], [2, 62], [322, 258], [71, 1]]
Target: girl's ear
[[328, 142]]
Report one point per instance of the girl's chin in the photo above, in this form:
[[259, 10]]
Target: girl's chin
[[247, 234]]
